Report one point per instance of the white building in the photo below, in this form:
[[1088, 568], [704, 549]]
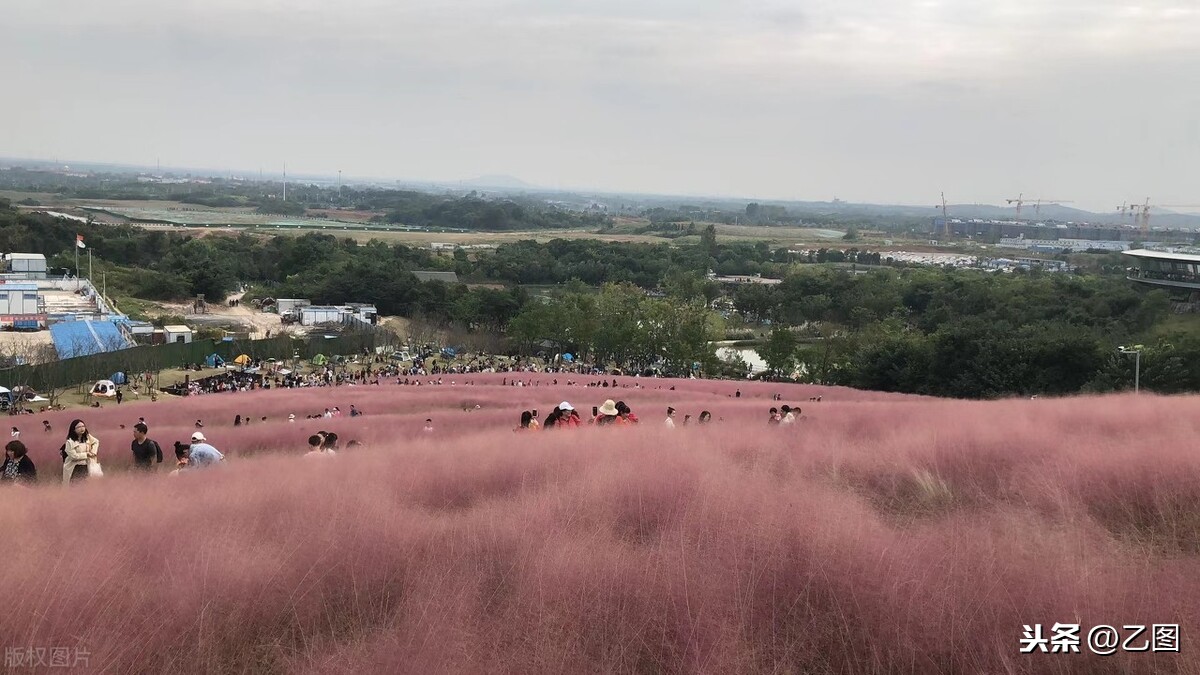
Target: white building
[[289, 305], [317, 314], [30, 265], [363, 311], [18, 299], [175, 334]]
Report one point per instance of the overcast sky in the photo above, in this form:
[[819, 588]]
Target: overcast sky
[[1096, 101]]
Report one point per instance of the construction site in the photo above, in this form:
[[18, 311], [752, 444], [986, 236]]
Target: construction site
[[1031, 230]]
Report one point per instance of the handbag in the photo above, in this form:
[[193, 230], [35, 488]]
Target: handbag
[[94, 470]]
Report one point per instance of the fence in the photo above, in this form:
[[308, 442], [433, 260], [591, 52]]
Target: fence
[[87, 369]]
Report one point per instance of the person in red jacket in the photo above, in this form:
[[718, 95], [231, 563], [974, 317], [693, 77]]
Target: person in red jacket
[[568, 417], [608, 414], [625, 415]]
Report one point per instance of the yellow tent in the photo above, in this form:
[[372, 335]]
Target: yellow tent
[[242, 360]]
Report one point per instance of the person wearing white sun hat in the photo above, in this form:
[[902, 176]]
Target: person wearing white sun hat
[[202, 454], [562, 417], [607, 414]]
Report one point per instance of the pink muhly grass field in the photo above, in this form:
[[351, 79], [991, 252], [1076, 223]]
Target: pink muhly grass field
[[880, 534]]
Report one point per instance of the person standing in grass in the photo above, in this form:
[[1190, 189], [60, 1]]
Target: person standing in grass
[[181, 458], [146, 452], [670, 423], [202, 455], [565, 417], [17, 469], [317, 447], [788, 416], [626, 416], [607, 414], [570, 419], [79, 452]]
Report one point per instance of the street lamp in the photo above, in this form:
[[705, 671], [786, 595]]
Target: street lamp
[[1136, 350]]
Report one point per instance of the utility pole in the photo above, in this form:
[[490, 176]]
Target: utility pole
[[1136, 350], [285, 181]]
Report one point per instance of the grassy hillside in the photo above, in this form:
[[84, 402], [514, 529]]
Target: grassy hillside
[[879, 534]]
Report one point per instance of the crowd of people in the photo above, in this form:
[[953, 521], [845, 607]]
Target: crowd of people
[[610, 413], [80, 451], [80, 454]]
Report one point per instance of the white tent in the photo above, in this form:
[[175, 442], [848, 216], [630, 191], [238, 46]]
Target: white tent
[[104, 388]]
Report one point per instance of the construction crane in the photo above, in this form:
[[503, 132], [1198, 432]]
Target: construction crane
[[1037, 208], [1141, 212], [945, 216], [1141, 215], [1019, 201]]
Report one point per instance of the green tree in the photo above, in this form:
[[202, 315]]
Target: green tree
[[779, 351], [708, 240]]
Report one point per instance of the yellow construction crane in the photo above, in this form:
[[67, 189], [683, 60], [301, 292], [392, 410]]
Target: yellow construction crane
[[1141, 212], [1141, 215], [1021, 201]]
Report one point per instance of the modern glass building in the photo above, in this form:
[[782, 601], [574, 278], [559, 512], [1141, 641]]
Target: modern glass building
[[1166, 270]]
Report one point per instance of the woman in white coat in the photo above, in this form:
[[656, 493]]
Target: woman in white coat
[[79, 452]]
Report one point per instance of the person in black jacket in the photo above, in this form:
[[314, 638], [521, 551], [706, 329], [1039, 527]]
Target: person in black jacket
[[17, 469], [146, 452]]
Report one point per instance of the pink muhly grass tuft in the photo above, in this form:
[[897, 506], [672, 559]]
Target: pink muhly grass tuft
[[879, 534]]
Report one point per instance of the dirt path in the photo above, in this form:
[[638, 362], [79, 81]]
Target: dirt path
[[259, 322]]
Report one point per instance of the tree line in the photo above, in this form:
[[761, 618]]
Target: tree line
[[933, 331], [966, 333]]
